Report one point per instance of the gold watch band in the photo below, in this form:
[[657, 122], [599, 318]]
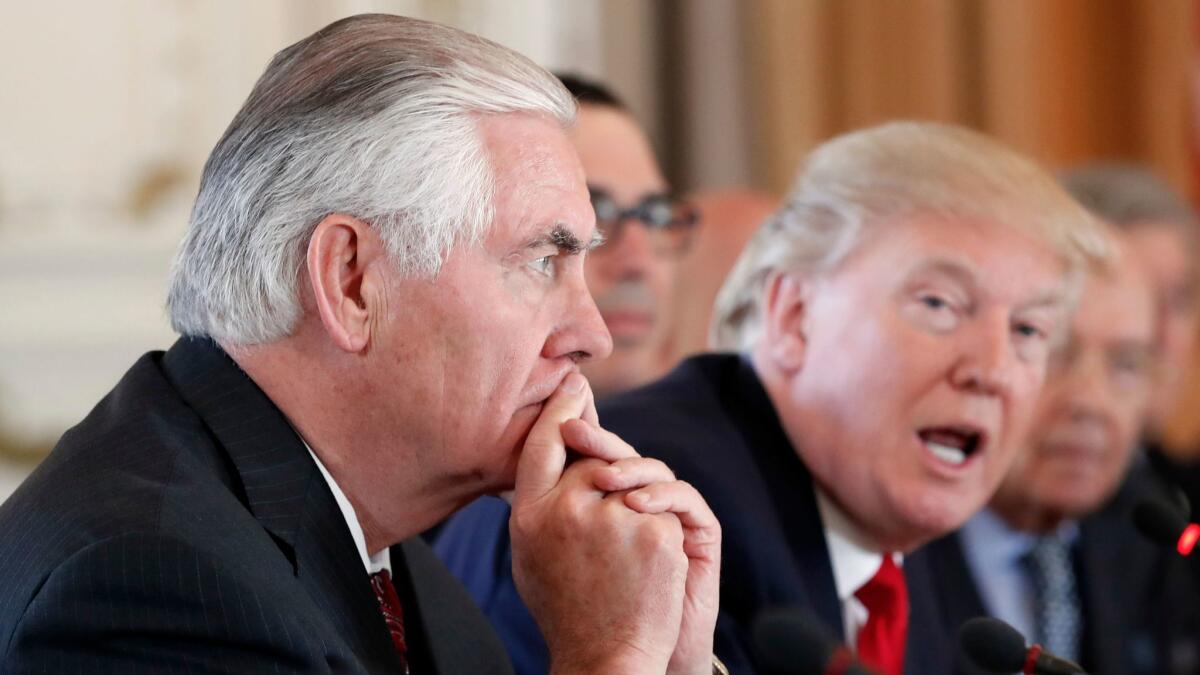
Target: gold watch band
[[718, 667]]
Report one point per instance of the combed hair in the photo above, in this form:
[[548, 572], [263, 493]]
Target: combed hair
[[373, 116], [887, 174], [1128, 195]]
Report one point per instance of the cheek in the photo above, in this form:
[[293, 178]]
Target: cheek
[[661, 279], [1028, 388]]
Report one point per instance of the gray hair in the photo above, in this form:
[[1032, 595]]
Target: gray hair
[[373, 116], [1128, 195], [900, 170]]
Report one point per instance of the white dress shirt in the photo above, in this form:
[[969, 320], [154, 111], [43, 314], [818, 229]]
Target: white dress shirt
[[372, 563], [854, 559]]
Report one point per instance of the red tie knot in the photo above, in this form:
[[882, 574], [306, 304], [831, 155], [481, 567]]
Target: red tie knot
[[885, 590]]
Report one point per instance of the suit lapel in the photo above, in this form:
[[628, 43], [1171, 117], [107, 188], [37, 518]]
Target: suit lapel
[[930, 646], [955, 589], [791, 487], [285, 492], [456, 638], [269, 458]]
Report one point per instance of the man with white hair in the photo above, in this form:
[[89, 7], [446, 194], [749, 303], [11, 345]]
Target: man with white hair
[[1161, 230], [383, 310], [630, 276], [892, 323]]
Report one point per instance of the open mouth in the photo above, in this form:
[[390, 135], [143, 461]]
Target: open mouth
[[952, 445]]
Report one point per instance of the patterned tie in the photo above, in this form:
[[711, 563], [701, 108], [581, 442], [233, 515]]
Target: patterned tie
[[393, 614], [1055, 600], [881, 640]]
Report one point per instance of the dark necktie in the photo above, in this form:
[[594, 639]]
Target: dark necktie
[[393, 614], [1055, 599], [881, 640]]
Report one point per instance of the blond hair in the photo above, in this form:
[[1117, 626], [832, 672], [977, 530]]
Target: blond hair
[[886, 173]]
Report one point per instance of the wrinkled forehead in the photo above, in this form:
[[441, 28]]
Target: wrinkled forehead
[[538, 180], [1117, 301]]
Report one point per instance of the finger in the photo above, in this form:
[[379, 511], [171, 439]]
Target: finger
[[589, 411], [593, 441], [631, 473], [542, 459], [702, 538], [578, 477]]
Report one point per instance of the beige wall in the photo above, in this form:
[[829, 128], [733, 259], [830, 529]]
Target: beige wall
[[109, 110]]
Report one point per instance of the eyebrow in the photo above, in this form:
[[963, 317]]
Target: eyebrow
[[1048, 299], [950, 268], [963, 275], [565, 240]]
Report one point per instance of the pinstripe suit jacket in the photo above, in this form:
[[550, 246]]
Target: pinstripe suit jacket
[[182, 526]]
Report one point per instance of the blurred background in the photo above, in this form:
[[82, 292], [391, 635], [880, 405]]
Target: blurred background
[[110, 108]]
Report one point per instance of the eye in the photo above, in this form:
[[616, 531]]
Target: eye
[[934, 302], [543, 265], [1028, 330], [1128, 363], [934, 310]]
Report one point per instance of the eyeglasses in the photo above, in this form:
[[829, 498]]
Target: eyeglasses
[[669, 222]]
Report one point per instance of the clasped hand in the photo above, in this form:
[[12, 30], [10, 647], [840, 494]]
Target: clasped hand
[[617, 560]]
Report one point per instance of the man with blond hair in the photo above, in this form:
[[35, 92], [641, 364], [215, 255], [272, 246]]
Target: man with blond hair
[[383, 309], [891, 325]]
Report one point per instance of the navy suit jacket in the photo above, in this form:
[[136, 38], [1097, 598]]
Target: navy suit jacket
[[183, 526], [1139, 602], [711, 421]]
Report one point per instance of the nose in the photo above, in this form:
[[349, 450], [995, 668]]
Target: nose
[[581, 334], [987, 363]]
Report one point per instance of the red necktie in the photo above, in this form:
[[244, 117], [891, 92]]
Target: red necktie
[[881, 640], [393, 614]]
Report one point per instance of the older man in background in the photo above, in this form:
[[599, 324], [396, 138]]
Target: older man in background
[[1056, 554], [384, 312], [1161, 230]]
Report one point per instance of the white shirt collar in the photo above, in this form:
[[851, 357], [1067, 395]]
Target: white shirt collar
[[854, 560], [853, 557], [372, 563]]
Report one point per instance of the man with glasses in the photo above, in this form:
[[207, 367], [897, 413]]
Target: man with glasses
[[631, 276]]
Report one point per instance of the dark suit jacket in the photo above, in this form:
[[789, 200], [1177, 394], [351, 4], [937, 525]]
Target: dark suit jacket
[[183, 526], [712, 423], [1138, 601]]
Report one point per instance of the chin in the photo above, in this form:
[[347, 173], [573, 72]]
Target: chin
[[938, 512]]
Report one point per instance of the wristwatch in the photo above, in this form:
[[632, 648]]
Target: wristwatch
[[718, 667]]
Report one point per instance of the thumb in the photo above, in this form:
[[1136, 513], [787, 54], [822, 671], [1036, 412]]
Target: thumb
[[544, 456]]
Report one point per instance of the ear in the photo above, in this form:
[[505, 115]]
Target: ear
[[345, 267], [784, 335]]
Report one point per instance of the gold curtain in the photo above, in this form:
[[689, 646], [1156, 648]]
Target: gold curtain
[[1066, 81]]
